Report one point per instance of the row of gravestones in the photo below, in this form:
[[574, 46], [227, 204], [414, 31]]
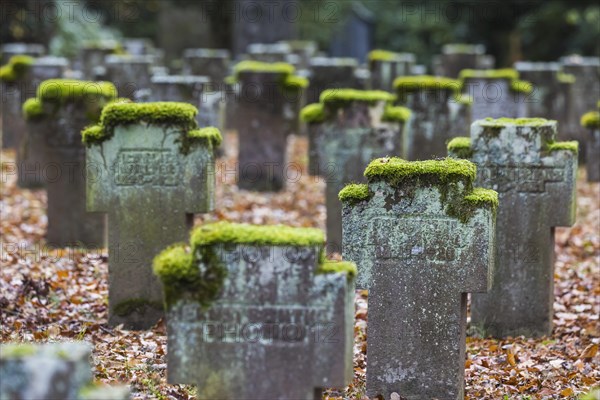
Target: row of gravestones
[[418, 228]]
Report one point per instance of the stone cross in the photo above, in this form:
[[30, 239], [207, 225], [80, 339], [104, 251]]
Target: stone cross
[[331, 73], [422, 239], [439, 113], [591, 121], [258, 316], [497, 93], [267, 102], [152, 170], [51, 371], [56, 117], [351, 128], [130, 74], [535, 180], [386, 66], [458, 56]]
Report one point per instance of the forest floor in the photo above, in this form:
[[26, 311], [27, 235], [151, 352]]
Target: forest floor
[[50, 295]]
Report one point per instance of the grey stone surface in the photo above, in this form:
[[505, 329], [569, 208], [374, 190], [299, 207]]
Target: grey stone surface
[[149, 191], [8, 50], [418, 264], [536, 190], [29, 154], [456, 57], [51, 371], [383, 72], [303, 49], [592, 155], [276, 331], [330, 73], [212, 63], [263, 123], [344, 144], [437, 116], [270, 53], [494, 98], [92, 59], [130, 74]]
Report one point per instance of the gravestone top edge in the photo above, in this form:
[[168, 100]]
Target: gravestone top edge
[[426, 82], [578, 60], [16, 68], [263, 67], [333, 62], [51, 61], [205, 52], [20, 47], [537, 66], [390, 56], [181, 79], [129, 59], [523, 122], [591, 119], [347, 95], [72, 89], [510, 74], [463, 48]]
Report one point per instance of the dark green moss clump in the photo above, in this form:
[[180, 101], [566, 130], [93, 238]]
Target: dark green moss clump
[[16, 68], [354, 192], [460, 147]]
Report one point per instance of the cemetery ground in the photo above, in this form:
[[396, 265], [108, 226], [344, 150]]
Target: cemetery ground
[[50, 295]]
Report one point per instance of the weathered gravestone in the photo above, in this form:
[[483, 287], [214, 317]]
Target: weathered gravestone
[[496, 93], [272, 53], [153, 169], [347, 130], [331, 73], [8, 50], [550, 97], [303, 49], [386, 66], [422, 239], [591, 121], [93, 55], [535, 178], [130, 74], [61, 109], [439, 113], [253, 312], [13, 78], [267, 111], [29, 155], [458, 56], [213, 63], [51, 371]]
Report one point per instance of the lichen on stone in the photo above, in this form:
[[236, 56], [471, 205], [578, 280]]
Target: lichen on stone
[[461, 147], [33, 109], [354, 192], [313, 113], [591, 119], [16, 68], [336, 267], [572, 146], [395, 114], [408, 84], [504, 122]]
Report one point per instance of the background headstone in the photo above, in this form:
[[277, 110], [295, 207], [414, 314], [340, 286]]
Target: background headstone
[[212, 63], [151, 174], [16, 49], [591, 122], [331, 73], [456, 56], [265, 319], [535, 180], [355, 35], [130, 74], [92, 58], [422, 238], [13, 89], [386, 66]]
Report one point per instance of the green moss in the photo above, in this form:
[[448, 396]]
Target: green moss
[[483, 197], [294, 82], [93, 134], [382, 55], [407, 84], [16, 68], [159, 113], [342, 97], [463, 209], [130, 306], [33, 109], [17, 350], [313, 113], [259, 235], [572, 146], [591, 119], [334, 267], [395, 170], [461, 147], [505, 73], [395, 114], [257, 66], [521, 86], [230, 80], [503, 122], [354, 193], [209, 134], [63, 90], [565, 78]]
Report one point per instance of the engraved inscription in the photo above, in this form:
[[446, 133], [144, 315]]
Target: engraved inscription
[[153, 167], [520, 178], [443, 244]]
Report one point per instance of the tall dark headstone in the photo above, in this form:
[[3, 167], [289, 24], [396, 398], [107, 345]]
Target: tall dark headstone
[[355, 35]]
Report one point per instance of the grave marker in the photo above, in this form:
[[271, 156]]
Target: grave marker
[[458, 56], [130, 74], [591, 121], [93, 55], [254, 313], [212, 63], [386, 66], [8, 50], [497, 93], [154, 169], [348, 129], [439, 113], [535, 179], [13, 78], [61, 109], [331, 73], [422, 238]]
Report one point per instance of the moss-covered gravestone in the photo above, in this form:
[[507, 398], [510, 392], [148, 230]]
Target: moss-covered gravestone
[[212, 63], [267, 111], [386, 66], [347, 130], [422, 238], [130, 74], [13, 78], [153, 169], [458, 56], [591, 121], [253, 312], [56, 116], [439, 113], [535, 179], [51, 371], [271, 52], [331, 73], [497, 93], [8, 50]]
